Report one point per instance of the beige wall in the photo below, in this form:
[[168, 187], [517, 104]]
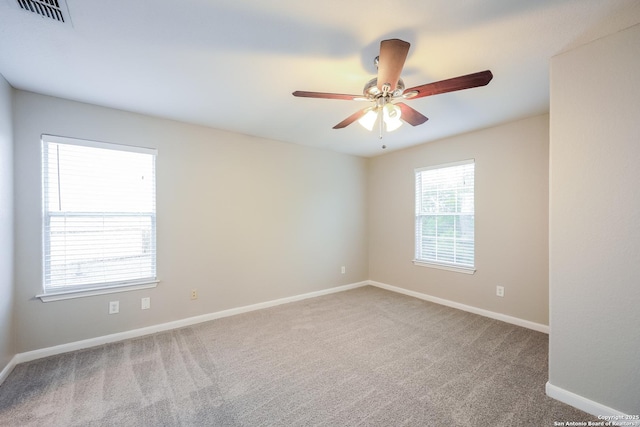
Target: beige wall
[[511, 219], [6, 225], [595, 221], [246, 220], [242, 219]]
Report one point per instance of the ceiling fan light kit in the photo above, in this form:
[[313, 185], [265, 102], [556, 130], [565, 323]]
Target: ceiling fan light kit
[[388, 89], [369, 119], [391, 114]]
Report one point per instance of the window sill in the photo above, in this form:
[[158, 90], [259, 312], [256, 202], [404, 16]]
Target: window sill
[[457, 269], [81, 293]]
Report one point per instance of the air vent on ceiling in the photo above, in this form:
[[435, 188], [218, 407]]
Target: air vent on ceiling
[[55, 10]]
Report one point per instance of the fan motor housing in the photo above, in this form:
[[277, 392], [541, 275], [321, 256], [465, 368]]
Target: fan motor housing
[[371, 90]]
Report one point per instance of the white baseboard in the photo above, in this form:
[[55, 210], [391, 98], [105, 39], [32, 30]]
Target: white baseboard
[[7, 369], [599, 410], [135, 333], [552, 391], [486, 313]]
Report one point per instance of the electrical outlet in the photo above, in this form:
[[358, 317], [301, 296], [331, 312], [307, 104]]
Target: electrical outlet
[[343, 269], [194, 294], [145, 303], [114, 307], [500, 291]]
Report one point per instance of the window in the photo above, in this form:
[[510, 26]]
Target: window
[[99, 216], [445, 216]]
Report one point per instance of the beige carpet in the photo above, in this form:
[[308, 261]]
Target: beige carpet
[[365, 357]]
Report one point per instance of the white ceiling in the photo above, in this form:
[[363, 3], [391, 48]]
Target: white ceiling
[[232, 64]]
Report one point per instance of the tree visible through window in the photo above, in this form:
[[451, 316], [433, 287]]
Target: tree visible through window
[[99, 214], [445, 215]]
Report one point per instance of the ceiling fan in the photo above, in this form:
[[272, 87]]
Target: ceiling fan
[[387, 91]]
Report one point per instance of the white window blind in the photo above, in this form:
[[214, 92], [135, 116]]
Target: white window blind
[[445, 215], [99, 214]]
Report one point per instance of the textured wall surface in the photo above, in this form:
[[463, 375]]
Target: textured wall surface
[[511, 219], [595, 221], [243, 220], [6, 225]]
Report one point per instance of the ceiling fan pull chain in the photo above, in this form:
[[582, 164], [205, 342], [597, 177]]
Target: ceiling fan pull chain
[[381, 114]]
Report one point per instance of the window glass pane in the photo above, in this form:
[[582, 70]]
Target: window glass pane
[[88, 250], [445, 214], [429, 202], [464, 227], [464, 252], [445, 225], [465, 200], [99, 215], [447, 201], [91, 179], [429, 247], [429, 226], [445, 250]]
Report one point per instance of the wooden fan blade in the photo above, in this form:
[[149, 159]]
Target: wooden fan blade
[[352, 118], [411, 116], [393, 53], [451, 85], [324, 95]]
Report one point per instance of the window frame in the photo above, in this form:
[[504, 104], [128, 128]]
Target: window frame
[[443, 265], [55, 293]]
